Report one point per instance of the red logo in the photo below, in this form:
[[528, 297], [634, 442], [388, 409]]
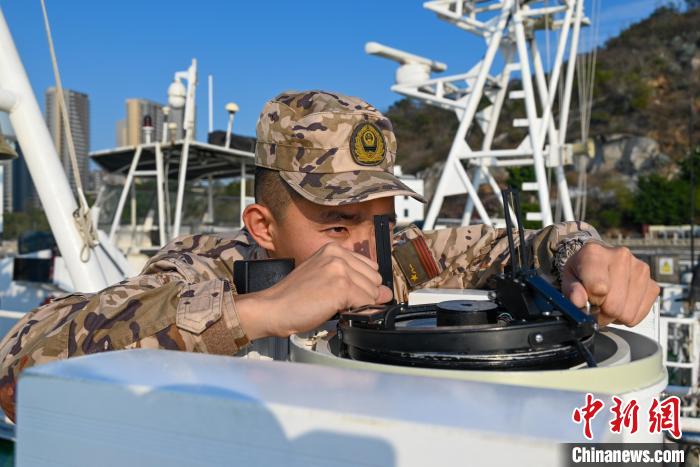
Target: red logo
[[663, 415], [626, 416], [586, 413]]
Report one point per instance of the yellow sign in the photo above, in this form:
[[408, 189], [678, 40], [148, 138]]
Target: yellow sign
[[367, 144], [666, 266]]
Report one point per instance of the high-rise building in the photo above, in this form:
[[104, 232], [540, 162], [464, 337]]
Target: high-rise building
[[129, 131], [78, 107], [7, 179], [136, 110], [18, 189], [24, 194], [120, 133]]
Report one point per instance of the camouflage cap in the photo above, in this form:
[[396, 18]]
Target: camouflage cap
[[330, 148]]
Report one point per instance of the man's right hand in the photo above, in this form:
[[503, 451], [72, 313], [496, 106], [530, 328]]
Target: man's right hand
[[332, 280]]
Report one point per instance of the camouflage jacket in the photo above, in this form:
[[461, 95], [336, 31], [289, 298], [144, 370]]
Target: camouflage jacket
[[184, 297]]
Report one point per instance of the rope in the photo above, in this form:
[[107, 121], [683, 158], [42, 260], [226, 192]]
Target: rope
[[81, 215], [547, 29], [585, 74]]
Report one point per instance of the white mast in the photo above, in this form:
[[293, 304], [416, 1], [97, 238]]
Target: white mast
[[176, 99], [508, 27], [17, 98]]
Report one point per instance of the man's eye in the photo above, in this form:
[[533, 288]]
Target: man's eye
[[337, 230]]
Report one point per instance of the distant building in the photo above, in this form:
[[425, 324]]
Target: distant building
[[78, 106], [7, 201], [120, 133], [19, 193], [7, 133], [136, 110], [129, 131], [408, 210], [24, 194]]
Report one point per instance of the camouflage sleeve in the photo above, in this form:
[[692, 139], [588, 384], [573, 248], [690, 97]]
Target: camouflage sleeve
[[468, 257], [159, 309]]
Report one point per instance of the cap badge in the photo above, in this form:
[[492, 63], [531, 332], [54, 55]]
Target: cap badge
[[367, 144]]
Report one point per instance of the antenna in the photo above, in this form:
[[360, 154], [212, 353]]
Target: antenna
[[522, 249], [507, 194], [211, 103]]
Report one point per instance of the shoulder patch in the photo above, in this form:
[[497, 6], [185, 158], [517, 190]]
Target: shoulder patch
[[416, 262], [367, 144]]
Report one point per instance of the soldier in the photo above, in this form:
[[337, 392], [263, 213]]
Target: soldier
[[324, 168]]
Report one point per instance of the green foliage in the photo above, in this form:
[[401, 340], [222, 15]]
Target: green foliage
[[15, 223], [609, 218], [613, 208], [604, 76], [661, 201], [688, 163], [424, 133], [530, 207], [656, 200], [639, 92], [667, 201], [518, 175]]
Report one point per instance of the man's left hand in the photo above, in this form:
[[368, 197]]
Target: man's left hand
[[613, 279]]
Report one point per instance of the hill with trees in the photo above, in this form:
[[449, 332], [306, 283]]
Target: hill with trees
[[647, 92]]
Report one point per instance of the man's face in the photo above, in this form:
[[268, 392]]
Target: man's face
[[306, 227]]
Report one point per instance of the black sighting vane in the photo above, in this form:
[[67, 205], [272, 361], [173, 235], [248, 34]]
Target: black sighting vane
[[382, 236], [528, 296], [520, 262]]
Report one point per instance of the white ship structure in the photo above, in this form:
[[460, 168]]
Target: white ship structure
[[317, 407]]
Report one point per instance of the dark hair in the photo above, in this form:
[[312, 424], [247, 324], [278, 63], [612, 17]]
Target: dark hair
[[273, 192]]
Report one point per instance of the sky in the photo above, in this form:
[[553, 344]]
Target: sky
[[254, 49]]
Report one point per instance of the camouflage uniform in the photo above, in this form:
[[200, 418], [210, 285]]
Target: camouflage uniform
[[184, 299]]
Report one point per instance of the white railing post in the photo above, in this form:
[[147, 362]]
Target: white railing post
[[125, 193], [160, 195]]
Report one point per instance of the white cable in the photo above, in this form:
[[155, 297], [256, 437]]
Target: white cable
[[81, 215], [548, 52], [585, 71]]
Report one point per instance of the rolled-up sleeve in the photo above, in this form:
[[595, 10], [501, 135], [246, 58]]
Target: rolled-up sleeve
[[469, 257]]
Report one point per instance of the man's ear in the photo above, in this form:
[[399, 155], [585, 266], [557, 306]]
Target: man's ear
[[259, 221]]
